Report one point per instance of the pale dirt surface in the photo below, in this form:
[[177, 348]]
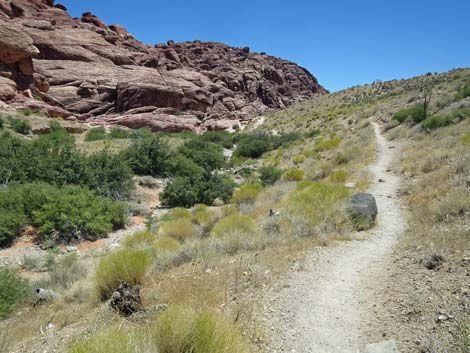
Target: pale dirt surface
[[324, 307]]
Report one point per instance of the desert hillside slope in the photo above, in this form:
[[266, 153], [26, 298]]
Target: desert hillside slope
[[184, 242]]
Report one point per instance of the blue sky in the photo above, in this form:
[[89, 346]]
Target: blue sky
[[343, 43]]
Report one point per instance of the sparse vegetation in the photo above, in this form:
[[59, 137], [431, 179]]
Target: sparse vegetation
[[294, 175], [128, 265], [21, 126], [269, 175], [233, 224], [14, 291], [247, 193]]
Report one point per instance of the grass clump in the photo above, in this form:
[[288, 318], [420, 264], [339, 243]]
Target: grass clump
[[178, 330], [128, 265], [179, 229], [167, 244], [14, 291], [324, 145], [67, 271], [247, 193], [176, 213], [338, 176], [233, 224], [204, 217], [315, 207], [139, 240], [294, 175]]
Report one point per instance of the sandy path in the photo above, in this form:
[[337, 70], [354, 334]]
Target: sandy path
[[323, 308]]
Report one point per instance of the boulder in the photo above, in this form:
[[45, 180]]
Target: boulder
[[7, 89], [362, 209]]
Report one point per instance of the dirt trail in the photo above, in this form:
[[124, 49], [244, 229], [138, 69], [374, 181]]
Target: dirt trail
[[325, 307]]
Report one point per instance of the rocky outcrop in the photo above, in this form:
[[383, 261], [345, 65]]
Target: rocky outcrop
[[103, 74]]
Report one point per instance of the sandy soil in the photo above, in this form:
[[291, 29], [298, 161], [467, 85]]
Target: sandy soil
[[323, 307]]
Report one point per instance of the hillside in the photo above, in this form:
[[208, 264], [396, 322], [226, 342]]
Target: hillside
[[217, 234], [81, 69]]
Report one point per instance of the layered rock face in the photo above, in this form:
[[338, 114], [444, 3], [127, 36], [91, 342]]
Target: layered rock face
[[84, 69]]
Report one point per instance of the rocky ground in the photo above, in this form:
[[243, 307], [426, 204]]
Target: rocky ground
[[83, 69]]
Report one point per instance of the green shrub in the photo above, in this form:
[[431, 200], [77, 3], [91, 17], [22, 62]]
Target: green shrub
[[148, 155], [12, 216], [298, 159], [179, 229], [14, 291], [294, 175], [233, 224], [139, 240], [21, 126], [223, 138], [166, 244], [204, 217], [96, 134], [269, 175], [181, 329], [415, 113], [176, 213], [72, 213], [117, 133], [313, 133], [454, 117], [205, 154], [463, 91], [253, 146], [188, 191], [177, 330], [247, 193], [327, 144], [316, 204], [128, 265]]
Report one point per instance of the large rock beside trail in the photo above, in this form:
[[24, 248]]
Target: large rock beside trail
[[94, 70], [362, 208]]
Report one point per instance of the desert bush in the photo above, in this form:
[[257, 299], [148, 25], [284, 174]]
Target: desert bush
[[223, 138], [176, 213], [232, 224], [253, 146], [415, 113], [205, 154], [117, 133], [188, 191], [184, 167], [294, 175], [324, 145], [179, 229], [438, 121], [463, 91], [311, 154], [67, 271], [247, 193], [316, 206], [181, 329], [166, 244], [269, 175], [73, 213], [14, 291], [12, 216], [96, 134], [298, 159], [204, 217], [148, 155], [338, 176], [128, 265], [139, 240], [21, 126], [178, 330]]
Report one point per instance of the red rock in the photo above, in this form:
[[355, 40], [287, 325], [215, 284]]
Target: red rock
[[15, 45], [7, 89]]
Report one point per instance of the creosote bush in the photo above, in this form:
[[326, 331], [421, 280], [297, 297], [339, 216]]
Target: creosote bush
[[415, 113], [127, 265]]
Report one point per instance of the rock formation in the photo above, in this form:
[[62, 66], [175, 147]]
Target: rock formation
[[103, 75]]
